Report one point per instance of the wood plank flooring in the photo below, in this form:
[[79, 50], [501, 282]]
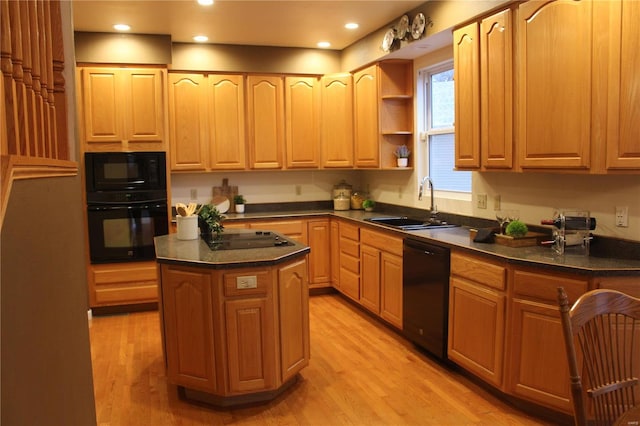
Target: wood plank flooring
[[361, 373]]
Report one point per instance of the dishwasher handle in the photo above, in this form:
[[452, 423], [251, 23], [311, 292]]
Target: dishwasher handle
[[426, 248]]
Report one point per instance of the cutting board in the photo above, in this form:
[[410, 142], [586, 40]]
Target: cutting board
[[226, 191]]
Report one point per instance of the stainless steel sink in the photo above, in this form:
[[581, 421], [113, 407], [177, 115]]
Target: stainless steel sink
[[408, 224]]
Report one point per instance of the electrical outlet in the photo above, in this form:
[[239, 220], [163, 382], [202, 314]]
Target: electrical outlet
[[194, 194], [482, 201], [622, 216], [298, 189], [250, 281], [497, 202]]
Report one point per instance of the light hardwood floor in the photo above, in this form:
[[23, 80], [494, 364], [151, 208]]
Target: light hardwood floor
[[361, 373]]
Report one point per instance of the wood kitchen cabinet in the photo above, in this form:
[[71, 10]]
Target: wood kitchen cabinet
[[381, 275], [302, 122], [466, 70], [122, 109], [349, 260], [124, 283], [229, 340], [336, 127], [555, 85], [319, 239], [365, 118], [496, 91], [477, 310], [335, 253], [188, 122], [265, 121], [623, 91], [537, 363]]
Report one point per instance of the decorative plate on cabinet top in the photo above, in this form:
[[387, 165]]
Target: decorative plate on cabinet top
[[388, 39], [402, 28], [417, 27]]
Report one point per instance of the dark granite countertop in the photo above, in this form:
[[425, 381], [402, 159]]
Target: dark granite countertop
[[169, 249], [459, 238]]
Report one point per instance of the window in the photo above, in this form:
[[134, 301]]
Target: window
[[439, 110]]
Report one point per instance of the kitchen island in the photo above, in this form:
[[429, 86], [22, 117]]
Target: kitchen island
[[234, 321]]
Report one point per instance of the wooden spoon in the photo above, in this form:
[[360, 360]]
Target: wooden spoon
[[182, 211]]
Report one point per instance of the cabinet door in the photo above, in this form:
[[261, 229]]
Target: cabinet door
[[225, 121], [293, 294], [302, 111], [623, 136], [188, 332], [251, 344], [336, 131], [143, 98], [335, 254], [102, 105], [496, 68], [265, 116], [391, 288], [319, 238], [466, 70], [188, 121], [555, 82], [365, 118], [370, 278], [476, 329]]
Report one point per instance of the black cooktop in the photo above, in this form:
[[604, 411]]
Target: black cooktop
[[245, 240]]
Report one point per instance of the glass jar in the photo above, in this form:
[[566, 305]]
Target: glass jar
[[342, 189], [357, 198]]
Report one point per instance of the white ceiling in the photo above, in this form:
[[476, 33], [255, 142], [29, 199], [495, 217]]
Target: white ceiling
[[301, 23]]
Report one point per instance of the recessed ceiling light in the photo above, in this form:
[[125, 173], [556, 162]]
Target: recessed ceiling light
[[122, 27], [200, 38], [205, 2], [351, 26], [324, 44]]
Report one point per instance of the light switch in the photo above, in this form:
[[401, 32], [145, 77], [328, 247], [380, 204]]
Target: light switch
[[250, 281]]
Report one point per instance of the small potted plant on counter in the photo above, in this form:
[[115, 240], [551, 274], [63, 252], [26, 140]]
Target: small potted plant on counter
[[239, 203], [402, 153], [368, 205], [210, 220]]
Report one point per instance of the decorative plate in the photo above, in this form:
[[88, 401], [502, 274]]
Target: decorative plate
[[417, 27], [388, 39], [402, 28]]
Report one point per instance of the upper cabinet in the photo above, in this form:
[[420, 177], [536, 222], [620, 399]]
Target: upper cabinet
[[555, 52], [623, 117], [265, 121], [206, 122], [365, 117], [122, 108], [336, 127], [302, 121], [466, 70], [496, 90], [383, 113]]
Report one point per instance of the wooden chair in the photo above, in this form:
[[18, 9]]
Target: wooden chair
[[606, 326]]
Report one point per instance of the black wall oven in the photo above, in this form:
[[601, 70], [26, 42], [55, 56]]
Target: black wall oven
[[126, 204]]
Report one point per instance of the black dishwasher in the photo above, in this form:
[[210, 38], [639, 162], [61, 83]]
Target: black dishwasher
[[425, 294]]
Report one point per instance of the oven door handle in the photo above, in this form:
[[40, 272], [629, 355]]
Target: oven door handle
[[98, 208]]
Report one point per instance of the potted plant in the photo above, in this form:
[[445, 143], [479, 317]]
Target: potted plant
[[239, 203], [402, 153], [210, 220], [368, 205]]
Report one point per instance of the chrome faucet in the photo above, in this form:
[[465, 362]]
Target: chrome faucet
[[433, 208]]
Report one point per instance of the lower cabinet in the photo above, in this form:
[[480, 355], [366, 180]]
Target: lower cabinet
[[381, 275], [349, 274], [537, 362], [319, 239], [122, 283], [230, 339], [477, 309]]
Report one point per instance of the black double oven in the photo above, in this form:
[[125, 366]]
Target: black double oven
[[126, 204]]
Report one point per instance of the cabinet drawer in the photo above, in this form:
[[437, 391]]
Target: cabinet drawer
[[478, 269], [536, 285], [381, 241], [350, 247], [247, 282], [124, 273], [350, 263], [350, 284], [349, 231]]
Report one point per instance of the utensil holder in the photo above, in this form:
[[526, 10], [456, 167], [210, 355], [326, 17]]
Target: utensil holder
[[187, 227]]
